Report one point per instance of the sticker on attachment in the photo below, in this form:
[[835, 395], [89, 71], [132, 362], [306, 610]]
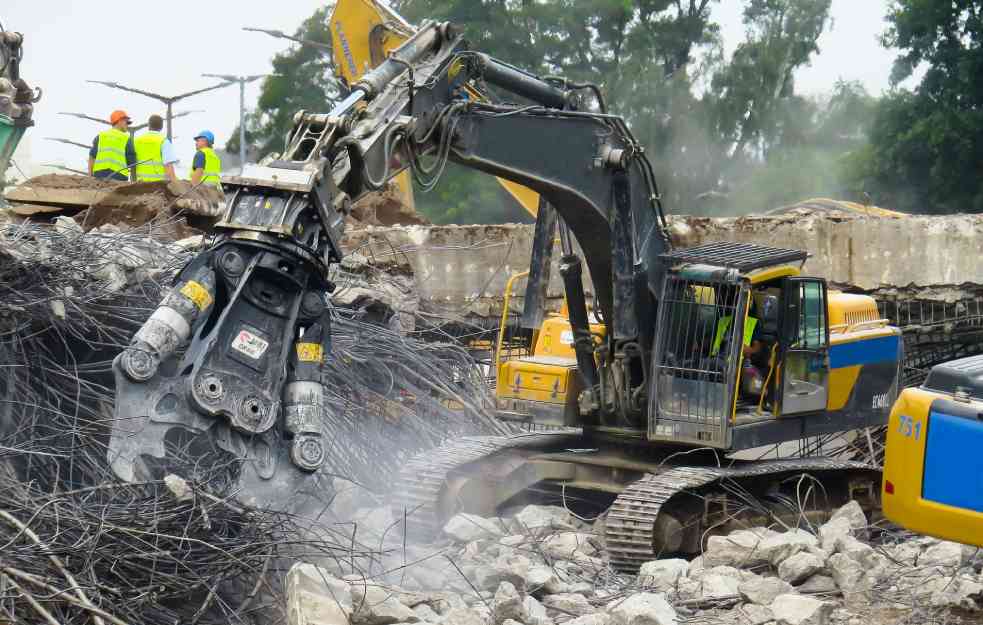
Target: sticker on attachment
[[250, 344], [310, 352], [198, 294]]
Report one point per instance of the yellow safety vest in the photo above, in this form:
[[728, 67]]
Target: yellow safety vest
[[111, 152], [150, 160], [213, 168], [723, 324]]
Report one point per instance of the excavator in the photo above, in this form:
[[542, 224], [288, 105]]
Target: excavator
[[933, 471], [16, 98], [681, 364]]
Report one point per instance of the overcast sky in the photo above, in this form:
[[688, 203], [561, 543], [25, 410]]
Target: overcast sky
[[164, 47]]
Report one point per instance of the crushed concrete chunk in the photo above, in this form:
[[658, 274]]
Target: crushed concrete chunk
[[463, 616], [763, 590], [508, 604], [179, 487], [946, 554], [740, 549], [833, 529], [818, 584], [662, 575], [375, 605], [752, 614], [535, 612], [569, 604], [853, 513], [794, 609], [465, 528], [644, 608], [569, 545], [956, 592], [315, 597], [599, 618], [535, 518], [781, 546], [799, 567]]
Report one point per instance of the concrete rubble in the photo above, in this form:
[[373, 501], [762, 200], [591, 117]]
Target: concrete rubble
[[758, 576]]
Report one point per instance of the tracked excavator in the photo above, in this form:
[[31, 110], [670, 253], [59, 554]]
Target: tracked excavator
[[704, 352]]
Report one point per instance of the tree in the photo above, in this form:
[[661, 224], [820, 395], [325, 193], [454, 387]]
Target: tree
[[749, 94], [926, 145], [642, 54]]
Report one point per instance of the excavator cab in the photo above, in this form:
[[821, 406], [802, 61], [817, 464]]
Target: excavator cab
[[745, 353]]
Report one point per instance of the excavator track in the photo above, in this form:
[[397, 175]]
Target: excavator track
[[631, 526], [631, 521]]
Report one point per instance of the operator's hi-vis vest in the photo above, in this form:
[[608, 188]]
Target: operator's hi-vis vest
[[723, 325], [111, 152], [150, 161], [213, 167]]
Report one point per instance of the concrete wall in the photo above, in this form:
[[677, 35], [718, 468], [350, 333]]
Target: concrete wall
[[462, 270]]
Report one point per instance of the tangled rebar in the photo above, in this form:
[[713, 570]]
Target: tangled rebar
[[79, 546]]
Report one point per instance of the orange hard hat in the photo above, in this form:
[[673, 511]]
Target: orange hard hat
[[118, 115]]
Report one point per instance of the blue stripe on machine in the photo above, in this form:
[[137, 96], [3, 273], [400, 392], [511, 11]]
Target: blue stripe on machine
[[863, 352], [953, 464]]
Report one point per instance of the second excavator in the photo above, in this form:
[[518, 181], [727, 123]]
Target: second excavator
[[681, 359]]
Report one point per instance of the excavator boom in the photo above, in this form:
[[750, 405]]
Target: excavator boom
[[16, 98]]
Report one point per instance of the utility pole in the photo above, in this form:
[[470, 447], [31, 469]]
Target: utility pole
[[167, 100], [242, 80]]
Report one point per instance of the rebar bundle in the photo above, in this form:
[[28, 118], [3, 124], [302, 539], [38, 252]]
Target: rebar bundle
[[79, 546]]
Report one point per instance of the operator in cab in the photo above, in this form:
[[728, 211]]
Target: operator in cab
[[206, 168], [755, 347], [113, 155]]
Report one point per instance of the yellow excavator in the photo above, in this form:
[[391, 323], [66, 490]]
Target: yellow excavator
[[704, 352], [933, 468]]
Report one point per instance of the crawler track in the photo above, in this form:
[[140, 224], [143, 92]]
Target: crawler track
[[631, 531]]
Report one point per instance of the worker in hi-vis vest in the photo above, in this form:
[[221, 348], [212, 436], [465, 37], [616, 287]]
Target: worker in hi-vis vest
[[207, 166], [112, 155], [155, 153], [750, 345]]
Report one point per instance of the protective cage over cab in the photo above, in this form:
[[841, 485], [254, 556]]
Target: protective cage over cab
[[749, 353]]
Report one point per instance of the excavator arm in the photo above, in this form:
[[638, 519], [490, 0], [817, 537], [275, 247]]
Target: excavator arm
[[236, 348], [16, 98]]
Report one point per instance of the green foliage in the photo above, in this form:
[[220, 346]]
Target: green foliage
[[725, 136], [925, 151]]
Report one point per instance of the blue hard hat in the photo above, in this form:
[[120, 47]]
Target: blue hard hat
[[206, 134]]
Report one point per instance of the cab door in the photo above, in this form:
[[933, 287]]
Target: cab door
[[804, 346]]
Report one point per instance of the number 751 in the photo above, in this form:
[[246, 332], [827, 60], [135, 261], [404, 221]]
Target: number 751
[[908, 426]]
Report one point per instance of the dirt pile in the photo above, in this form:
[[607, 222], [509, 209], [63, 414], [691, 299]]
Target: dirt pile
[[386, 208], [177, 206]]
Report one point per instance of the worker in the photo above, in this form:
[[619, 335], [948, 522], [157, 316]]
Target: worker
[[751, 345], [155, 153], [112, 154], [207, 166]]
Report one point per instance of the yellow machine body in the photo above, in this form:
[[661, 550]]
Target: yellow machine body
[[933, 466], [544, 385]]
